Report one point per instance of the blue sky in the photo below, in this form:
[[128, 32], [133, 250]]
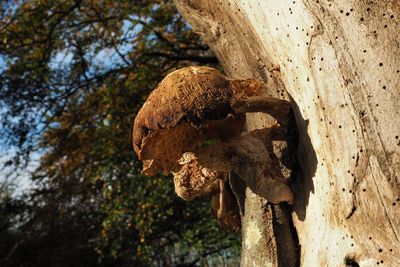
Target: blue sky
[[18, 180]]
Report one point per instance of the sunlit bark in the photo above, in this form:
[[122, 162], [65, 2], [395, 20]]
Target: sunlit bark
[[339, 62]]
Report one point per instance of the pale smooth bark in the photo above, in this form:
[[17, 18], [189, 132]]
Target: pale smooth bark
[[339, 63]]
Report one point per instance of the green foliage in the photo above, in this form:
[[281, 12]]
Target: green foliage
[[75, 74]]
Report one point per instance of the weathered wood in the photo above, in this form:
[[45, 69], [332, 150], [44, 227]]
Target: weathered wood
[[340, 63]]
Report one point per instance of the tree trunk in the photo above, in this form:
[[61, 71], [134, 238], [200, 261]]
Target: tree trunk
[[339, 63]]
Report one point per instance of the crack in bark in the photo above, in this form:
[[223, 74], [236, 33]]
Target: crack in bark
[[318, 32], [384, 206], [353, 209]]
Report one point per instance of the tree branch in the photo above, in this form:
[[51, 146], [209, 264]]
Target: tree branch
[[200, 59]]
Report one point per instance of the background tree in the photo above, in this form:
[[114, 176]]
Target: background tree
[[338, 61], [73, 75]]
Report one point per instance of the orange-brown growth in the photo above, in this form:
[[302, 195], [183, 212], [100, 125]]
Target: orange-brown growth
[[191, 126]]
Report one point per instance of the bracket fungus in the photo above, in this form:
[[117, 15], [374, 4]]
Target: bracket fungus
[[191, 125]]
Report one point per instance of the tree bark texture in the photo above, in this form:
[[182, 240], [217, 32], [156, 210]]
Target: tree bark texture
[[339, 63]]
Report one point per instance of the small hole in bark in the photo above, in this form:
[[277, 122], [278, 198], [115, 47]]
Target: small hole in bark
[[370, 238], [380, 64], [384, 87]]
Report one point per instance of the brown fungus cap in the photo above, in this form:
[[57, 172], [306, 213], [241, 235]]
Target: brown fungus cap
[[190, 106]]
